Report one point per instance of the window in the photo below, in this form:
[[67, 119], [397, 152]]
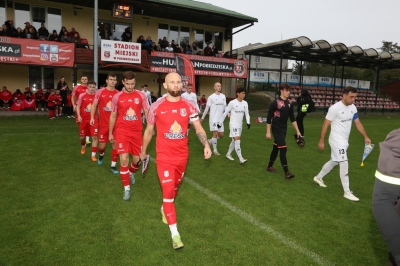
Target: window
[[179, 34], [199, 38], [53, 19], [218, 37], [116, 30], [2, 11], [48, 77], [162, 31], [173, 34], [41, 77], [22, 14], [184, 36], [38, 16]]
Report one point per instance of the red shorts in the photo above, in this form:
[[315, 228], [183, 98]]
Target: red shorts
[[170, 172], [85, 129], [103, 134], [128, 143]]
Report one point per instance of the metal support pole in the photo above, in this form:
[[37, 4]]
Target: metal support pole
[[75, 81], [377, 84], [248, 77], [95, 44], [301, 75], [280, 69], [159, 85], [334, 84], [341, 83]]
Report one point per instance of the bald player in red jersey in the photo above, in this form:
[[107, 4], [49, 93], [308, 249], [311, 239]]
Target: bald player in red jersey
[[78, 90], [170, 115], [102, 106], [125, 131], [84, 106]]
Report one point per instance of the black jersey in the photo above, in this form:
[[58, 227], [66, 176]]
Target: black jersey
[[279, 112]]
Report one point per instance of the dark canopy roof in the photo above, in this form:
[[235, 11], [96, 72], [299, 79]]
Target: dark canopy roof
[[180, 10], [321, 51]]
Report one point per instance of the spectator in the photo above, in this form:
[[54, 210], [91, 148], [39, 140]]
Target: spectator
[[5, 97], [72, 33], [227, 55], [28, 94], [46, 96], [153, 48], [142, 41], [173, 44], [203, 103], [62, 88], [39, 97], [19, 33], [105, 32], [17, 95], [28, 26], [43, 32], [58, 104], [153, 98], [54, 37], [194, 48], [63, 29], [177, 48], [214, 51], [51, 102], [76, 40], [65, 38], [69, 109], [127, 35], [149, 42], [11, 31], [32, 32], [187, 49], [169, 48], [163, 43], [207, 50], [3, 30]]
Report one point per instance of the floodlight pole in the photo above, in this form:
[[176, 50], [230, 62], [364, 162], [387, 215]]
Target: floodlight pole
[[248, 77], [378, 70], [280, 69], [301, 74], [341, 84], [95, 43], [334, 84]]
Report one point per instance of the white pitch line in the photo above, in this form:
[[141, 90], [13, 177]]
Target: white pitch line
[[47, 133], [249, 218]]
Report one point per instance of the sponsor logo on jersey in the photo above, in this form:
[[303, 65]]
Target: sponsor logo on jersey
[[183, 112], [107, 108], [130, 115], [167, 180], [175, 132], [88, 108]]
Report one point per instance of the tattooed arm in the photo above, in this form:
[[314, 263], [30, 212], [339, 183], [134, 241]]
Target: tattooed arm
[[201, 134]]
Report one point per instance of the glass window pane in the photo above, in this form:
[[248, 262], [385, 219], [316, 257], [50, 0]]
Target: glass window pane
[[35, 77], [218, 37], [118, 30], [162, 31], [199, 38], [173, 34], [48, 78], [184, 36], [209, 36], [54, 22], [2, 11], [38, 15], [22, 15]]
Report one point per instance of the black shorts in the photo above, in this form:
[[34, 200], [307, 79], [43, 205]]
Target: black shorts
[[51, 108], [279, 139], [59, 105]]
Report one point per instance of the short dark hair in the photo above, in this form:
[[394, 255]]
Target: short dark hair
[[91, 82], [239, 90], [284, 86], [349, 89], [145, 85], [190, 84], [111, 74], [128, 75], [83, 76]]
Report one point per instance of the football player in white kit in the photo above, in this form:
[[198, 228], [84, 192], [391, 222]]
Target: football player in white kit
[[340, 116], [188, 95], [216, 103], [237, 108], [144, 88]]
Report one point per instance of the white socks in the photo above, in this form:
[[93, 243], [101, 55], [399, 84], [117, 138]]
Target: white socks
[[128, 187], [327, 168], [87, 138], [174, 230], [344, 175], [231, 147], [238, 150], [113, 164], [214, 143]]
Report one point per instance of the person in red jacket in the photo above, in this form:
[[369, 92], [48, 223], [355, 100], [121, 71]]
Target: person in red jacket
[[5, 97], [69, 109], [39, 97], [58, 104], [51, 102]]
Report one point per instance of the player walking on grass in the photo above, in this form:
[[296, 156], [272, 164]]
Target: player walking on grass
[[237, 108], [103, 100], [125, 129], [216, 103], [188, 95], [340, 117], [279, 111], [170, 116], [84, 107], [78, 90]]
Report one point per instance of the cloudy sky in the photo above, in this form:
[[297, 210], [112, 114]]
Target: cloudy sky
[[353, 22]]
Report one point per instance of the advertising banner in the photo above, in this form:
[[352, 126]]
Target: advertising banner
[[338, 82], [363, 84], [122, 52], [351, 82], [325, 82], [274, 77], [258, 76], [185, 69], [164, 62], [310, 81], [36, 52], [293, 79]]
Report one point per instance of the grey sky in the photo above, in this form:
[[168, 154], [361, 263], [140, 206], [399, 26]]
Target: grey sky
[[353, 22]]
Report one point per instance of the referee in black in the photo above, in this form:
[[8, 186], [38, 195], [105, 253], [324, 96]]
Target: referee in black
[[279, 111]]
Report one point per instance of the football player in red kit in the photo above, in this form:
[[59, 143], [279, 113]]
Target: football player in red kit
[[51, 102], [103, 100], [78, 90], [170, 115], [125, 131], [83, 109]]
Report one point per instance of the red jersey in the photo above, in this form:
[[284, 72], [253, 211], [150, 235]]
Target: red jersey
[[5, 95], [69, 99], [104, 97], [51, 100], [85, 102], [78, 90], [171, 120], [58, 99], [128, 107]]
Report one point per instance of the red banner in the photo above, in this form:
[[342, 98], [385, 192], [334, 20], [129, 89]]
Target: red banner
[[185, 69], [164, 62], [36, 52]]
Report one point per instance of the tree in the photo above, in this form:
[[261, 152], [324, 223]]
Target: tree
[[389, 47]]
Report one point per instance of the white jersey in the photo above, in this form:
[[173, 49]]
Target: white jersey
[[191, 97], [341, 117], [148, 96], [237, 110], [216, 104]]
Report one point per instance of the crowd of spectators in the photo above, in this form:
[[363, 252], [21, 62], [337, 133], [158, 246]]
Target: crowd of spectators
[[30, 32]]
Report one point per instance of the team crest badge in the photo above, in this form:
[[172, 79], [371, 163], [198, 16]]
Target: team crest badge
[[136, 100], [183, 111], [106, 54], [239, 68], [166, 173], [120, 145]]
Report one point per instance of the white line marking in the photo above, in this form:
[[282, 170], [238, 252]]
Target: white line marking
[[285, 240], [48, 133]]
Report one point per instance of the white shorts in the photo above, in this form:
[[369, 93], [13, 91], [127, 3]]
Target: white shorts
[[338, 152], [235, 132], [213, 127]]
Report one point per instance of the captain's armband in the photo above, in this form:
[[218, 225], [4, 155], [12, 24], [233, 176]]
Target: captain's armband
[[194, 117]]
